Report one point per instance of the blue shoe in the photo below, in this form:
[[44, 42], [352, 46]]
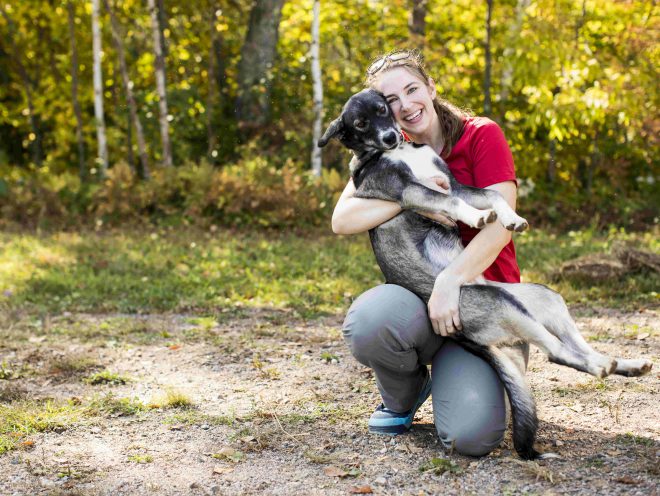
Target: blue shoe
[[386, 421]]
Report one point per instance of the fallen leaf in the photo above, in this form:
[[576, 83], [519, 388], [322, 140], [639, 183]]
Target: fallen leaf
[[643, 336], [29, 444], [333, 471], [174, 347], [220, 470], [228, 453], [626, 480], [177, 427], [361, 490]]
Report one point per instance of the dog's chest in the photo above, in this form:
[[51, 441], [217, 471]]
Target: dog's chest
[[420, 160]]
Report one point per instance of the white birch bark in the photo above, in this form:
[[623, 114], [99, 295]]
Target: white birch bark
[[318, 89], [143, 170], [102, 159], [161, 86]]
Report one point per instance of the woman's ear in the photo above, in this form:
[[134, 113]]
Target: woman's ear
[[432, 91]]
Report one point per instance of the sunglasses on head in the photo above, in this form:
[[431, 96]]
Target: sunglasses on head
[[378, 64]]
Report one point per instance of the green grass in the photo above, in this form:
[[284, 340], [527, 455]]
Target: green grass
[[21, 419], [106, 377], [187, 269]]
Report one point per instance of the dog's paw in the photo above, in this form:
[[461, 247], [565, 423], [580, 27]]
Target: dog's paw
[[633, 367], [518, 224], [485, 217]]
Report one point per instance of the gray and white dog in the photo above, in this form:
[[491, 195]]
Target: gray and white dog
[[412, 250]]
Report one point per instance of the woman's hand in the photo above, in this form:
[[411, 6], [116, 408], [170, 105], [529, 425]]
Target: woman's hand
[[443, 306], [441, 184]]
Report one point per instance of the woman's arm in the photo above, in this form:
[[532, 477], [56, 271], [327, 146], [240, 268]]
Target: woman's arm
[[478, 255], [355, 215]]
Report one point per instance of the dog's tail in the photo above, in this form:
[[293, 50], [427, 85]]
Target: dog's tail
[[523, 409]]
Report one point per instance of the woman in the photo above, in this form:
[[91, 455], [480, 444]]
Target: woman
[[390, 329]]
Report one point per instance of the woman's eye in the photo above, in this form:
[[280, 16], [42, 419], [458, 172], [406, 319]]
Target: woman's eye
[[412, 90]]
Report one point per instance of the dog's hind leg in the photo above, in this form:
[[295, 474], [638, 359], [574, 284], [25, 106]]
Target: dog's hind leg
[[557, 319], [549, 309]]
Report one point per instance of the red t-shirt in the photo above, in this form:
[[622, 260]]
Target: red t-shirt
[[481, 158]]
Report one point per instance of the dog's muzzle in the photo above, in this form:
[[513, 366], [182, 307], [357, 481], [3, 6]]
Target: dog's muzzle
[[391, 139]]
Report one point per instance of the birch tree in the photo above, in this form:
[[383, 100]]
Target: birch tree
[[143, 169], [161, 85], [318, 89], [102, 159], [74, 92]]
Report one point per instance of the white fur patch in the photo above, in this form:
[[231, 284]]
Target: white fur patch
[[420, 160]]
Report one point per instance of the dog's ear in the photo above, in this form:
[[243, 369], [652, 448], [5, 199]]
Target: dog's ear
[[334, 128]]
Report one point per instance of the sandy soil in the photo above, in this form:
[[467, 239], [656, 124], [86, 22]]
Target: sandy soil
[[280, 407]]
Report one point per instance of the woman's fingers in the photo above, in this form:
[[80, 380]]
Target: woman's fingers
[[456, 319]]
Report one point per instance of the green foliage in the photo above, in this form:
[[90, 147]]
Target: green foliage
[[574, 86]]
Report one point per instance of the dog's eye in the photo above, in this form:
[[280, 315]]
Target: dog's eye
[[382, 110], [360, 125]]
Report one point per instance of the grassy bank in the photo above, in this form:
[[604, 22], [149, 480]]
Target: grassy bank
[[184, 270]]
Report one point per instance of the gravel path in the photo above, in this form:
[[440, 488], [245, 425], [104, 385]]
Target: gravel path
[[280, 407]]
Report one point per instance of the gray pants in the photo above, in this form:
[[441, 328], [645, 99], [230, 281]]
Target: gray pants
[[387, 329]]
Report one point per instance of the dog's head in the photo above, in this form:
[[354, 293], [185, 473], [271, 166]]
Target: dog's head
[[366, 124]]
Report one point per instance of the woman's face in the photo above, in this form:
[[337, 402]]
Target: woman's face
[[410, 99]]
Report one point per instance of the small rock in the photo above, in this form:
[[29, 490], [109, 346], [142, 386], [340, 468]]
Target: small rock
[[206, 427], [95, 430], [384, 450], [380, 480]]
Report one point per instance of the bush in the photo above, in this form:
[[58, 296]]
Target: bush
[[250, 192]]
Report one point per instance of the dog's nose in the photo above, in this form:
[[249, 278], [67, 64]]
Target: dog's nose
[[389, 138]]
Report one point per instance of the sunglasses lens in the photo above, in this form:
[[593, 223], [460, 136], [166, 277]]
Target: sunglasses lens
[[380, 63], [399, 56], [377, 65]]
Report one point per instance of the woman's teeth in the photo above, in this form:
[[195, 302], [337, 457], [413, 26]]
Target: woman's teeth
[[414, 116]]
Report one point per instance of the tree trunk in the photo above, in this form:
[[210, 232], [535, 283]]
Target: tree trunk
[[257, 57], [318, 89], [510, 48], [35, 140], [162, 25], [161, 86], [211, 151], [488, 107], [74, 92], [102, 160], [551, 171], [417, 22], [143, 170]]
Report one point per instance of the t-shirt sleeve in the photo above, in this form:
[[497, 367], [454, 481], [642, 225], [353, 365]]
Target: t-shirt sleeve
[[492, 159]]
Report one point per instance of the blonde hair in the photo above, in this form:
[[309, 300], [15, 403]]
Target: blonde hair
[[450, 116]]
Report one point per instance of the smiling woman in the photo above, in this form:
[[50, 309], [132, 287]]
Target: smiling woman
[[390, 329]]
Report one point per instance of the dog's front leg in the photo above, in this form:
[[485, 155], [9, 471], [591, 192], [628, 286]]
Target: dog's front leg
[[487, 198], [416, 196]]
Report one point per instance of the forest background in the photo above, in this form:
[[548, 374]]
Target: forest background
[[225, 137]]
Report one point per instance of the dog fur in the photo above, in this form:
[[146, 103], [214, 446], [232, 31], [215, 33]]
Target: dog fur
[[412, 250]]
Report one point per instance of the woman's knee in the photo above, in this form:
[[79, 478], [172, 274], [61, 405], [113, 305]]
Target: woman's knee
[[468, 402], [387, 316]]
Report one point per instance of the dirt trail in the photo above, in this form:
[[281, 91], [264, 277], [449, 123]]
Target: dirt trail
[[280, 407]]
